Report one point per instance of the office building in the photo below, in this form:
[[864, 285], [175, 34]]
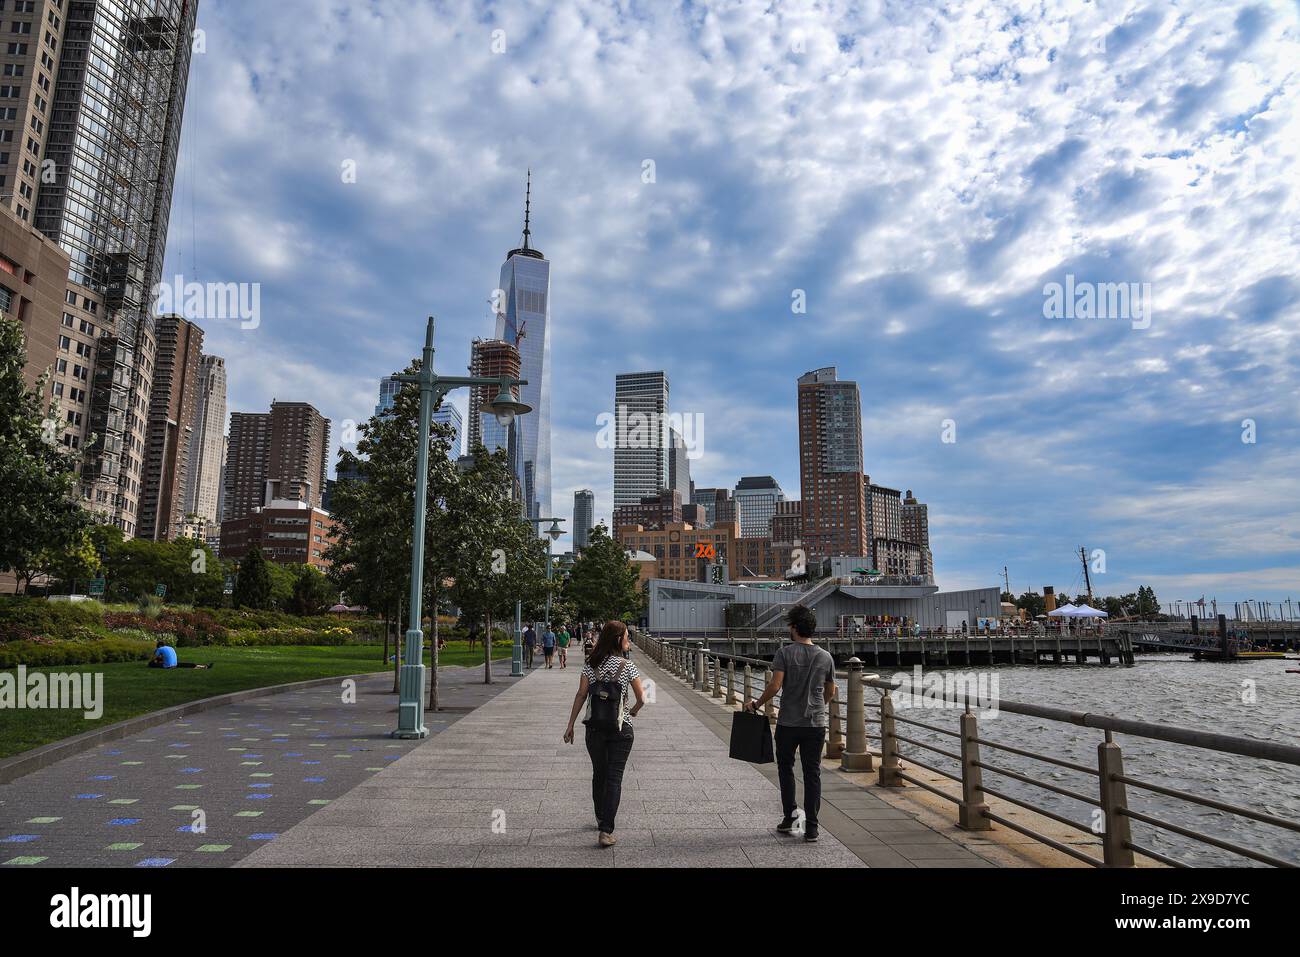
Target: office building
[[684, 553], [641, 456], [524, 321], [207, 443], [446, 414], [584, 516], [830, 465], [173, 403], [884, 511], [756, 497], [33, 277], [95, 93], [679, 465]]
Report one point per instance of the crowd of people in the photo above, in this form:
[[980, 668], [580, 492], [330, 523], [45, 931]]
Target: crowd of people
[[555, 640]]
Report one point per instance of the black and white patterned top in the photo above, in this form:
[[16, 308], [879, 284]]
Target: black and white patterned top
[[608, 669]]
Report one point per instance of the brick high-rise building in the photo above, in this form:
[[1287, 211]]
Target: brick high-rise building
[[684, 553], [276, 457], [248, 455], [916, 529], [94, 93], [787, 523], [173, 402], [653, 511], [884, 511], [830, 466]]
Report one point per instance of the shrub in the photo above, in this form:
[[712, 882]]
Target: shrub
[[44, 652]]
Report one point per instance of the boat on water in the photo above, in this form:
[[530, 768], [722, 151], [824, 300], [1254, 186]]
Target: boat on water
[[1215, 654]]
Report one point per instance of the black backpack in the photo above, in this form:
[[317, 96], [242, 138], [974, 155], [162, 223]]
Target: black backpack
[[605, 702]]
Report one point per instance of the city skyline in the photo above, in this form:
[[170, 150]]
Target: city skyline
[[921, 272]]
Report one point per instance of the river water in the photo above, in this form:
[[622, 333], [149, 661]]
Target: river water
[[1256, 699]]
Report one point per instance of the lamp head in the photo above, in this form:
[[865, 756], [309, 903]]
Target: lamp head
[[505, 406]]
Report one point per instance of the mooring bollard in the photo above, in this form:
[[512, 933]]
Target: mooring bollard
[[1114, 799], [856, 757], [970, 813], [889, 766], [769, 709], [749, 687], [731, 683]]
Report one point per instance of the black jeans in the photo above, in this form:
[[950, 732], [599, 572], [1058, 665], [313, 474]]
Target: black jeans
[[809, 741], [609, 752]]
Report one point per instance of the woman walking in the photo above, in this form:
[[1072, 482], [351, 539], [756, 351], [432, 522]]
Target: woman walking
[[606, 677]]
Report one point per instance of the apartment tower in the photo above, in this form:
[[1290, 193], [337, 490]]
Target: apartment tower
[[207, 443], [830, 466], [173, 403], [93, 93]]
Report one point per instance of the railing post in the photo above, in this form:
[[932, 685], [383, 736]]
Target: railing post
[[749, 687], [731, 683], [769, 709], [717, 677], [698, 683], [855, 756], [834, 739], [970, 814], [1114, 800], [889, 766]]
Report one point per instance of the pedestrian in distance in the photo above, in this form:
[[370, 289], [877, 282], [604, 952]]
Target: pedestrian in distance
[[804, 676], [530, 643], [603, 687], [562, 646], [548, 645]]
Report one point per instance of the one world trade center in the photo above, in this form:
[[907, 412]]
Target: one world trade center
[[524, 320]]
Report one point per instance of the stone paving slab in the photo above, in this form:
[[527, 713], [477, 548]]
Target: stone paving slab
[[255, 769], [685, 803]]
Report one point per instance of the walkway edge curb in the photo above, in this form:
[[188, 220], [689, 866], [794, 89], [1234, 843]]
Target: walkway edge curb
[[47, 754]]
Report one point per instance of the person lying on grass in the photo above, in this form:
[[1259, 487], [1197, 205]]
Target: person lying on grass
[[165, 657]]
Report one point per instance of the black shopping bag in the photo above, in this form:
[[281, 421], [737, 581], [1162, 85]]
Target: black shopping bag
[[751, 738]]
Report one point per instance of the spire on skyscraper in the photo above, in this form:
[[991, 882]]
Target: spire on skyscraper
[[525, 249]]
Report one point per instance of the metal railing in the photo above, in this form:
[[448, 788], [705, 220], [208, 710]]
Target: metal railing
[[740, 680]]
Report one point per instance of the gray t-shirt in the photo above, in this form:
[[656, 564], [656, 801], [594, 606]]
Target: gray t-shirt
[[807, 669]]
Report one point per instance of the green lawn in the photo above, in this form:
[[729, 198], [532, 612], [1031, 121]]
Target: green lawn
[[131, 688]]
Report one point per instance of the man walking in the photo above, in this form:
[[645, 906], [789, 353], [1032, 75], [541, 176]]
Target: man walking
[[530, 642], [804, 675], [548, 644]]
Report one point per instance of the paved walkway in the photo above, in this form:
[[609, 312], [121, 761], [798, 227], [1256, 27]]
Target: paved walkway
[[500, 789], [254, 769]]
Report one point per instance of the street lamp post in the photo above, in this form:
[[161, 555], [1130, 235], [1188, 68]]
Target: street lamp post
[[517, 654], [410, 705]]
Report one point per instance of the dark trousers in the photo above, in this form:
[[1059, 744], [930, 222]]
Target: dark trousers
[[609, 752], [528, 656], [809, 741]]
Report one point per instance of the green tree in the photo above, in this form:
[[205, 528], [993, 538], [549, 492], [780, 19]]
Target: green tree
[[1147, 605], [253, 586], [603, 584], [313, 593], [1033, 604], [39, 520]]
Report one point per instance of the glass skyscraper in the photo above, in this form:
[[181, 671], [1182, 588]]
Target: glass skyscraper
[[446, 414], [523, 320]]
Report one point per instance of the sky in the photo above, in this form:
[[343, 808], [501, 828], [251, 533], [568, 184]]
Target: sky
[[738, 193]]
